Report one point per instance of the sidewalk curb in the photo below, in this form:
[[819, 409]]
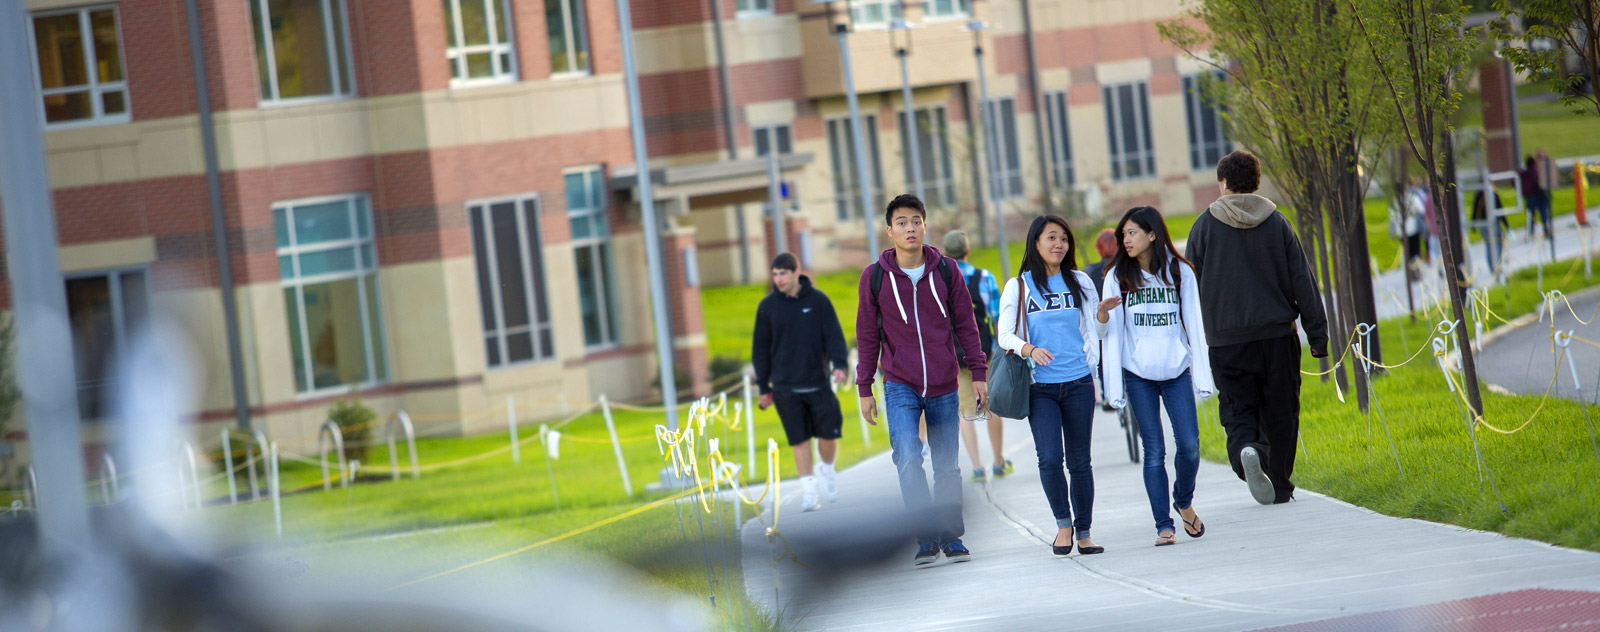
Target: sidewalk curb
[[1512, 326]]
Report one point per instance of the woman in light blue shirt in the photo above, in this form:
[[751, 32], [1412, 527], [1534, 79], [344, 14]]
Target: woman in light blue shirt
[[1060, 337]]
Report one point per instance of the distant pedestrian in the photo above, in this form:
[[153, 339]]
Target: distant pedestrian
[[910, 332], [985, 309], [1407, 224], [1254, 284], [1493, 236], [1045, 318], [1156, 346], [799, 354], [1535, 195]]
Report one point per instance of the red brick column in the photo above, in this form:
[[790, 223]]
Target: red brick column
[[1494, 82], [688, 317]]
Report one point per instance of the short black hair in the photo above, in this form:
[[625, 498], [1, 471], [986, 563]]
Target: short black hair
[[785, 261], [904, 200], [1241, 170]]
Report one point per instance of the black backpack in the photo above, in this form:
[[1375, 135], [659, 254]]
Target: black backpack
[[985, 335]]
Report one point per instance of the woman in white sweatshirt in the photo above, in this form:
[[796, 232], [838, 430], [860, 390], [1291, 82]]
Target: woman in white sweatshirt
[[1155, 352], [1061, 342]]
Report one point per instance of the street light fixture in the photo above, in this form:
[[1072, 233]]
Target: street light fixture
[[841, 24], [991, 151], [900, 41]]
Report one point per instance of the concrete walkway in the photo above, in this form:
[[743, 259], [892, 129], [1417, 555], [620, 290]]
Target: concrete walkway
[[1257, 566], [1521, 358], [1389, 288]]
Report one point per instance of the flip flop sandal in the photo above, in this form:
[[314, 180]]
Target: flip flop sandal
[[1188, 524], [1166, 540]]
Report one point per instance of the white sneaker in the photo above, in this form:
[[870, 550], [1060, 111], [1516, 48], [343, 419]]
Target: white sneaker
[[1260, 485], [808, 494], [830, 486]]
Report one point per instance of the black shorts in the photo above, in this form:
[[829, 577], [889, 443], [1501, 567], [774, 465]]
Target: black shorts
[[807, 415]]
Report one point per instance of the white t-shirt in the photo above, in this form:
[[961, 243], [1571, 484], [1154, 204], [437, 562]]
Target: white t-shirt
[[915, 273]]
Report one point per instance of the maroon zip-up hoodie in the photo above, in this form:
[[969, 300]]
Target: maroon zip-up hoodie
[[916, 345]]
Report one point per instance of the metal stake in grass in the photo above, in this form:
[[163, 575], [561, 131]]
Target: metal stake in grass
[[1445, 329], [1586, 423], [1365, 330], [550, 450]]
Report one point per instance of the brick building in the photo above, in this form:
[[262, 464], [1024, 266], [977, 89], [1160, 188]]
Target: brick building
[[434, 203]]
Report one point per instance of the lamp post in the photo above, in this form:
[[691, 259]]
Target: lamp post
[[900, 41], [841, 23], [991, 151]]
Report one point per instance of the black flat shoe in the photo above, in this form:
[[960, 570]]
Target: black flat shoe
[[1061, 550], [1091, 550]]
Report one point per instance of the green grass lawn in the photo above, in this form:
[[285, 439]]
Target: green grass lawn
[[1545, 473]]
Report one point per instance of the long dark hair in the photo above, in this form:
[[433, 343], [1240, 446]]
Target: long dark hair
[[1033, 262], [1164, 257]]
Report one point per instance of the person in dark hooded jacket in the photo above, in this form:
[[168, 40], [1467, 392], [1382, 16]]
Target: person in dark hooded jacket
[[799, 354], [1254, 284]]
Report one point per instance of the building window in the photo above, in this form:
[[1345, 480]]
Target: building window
[[1208, 142], [874, 13], [105, 310], [509, 248], [302, 49], [842, 151], [946, 8], [1061, 173], [1128, 128], [752, 8], [1005, 181], [586, 210], [330, 292], [78, 54], [480, 40], [764, 139], [938, 186], [569, 37]]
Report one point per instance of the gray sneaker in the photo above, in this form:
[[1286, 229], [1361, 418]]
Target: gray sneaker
[[1255, 477]]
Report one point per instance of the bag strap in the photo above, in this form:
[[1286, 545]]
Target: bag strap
[[1022, 306]]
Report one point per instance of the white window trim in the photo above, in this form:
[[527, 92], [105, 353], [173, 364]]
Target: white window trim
[[338, 73], [756, 13], [568, 9], [501, 331], [458, 54], [607, 319], [873, 26], [1001, 176], [929, 18], [95, 89], [1062, 173], [362, 275], [1113, 114]]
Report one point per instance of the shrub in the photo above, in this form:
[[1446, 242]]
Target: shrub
[[355, 421]]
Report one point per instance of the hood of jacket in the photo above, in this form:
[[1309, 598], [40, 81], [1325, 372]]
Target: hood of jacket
[[1242, 210], [930, 259]]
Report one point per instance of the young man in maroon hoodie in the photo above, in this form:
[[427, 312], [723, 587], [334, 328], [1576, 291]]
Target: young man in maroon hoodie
[[913, 307]]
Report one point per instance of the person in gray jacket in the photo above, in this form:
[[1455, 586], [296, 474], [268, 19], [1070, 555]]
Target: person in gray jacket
[[1254, 283]]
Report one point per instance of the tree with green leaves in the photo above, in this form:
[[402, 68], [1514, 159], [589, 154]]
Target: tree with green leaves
[[1420, 50], [1298, 96], [1574, 28]]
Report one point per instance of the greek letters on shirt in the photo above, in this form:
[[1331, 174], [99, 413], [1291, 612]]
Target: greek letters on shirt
[[1049, 302]]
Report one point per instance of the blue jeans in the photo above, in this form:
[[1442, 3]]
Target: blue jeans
[[1178, 393], [1061, 417], [939, 516]]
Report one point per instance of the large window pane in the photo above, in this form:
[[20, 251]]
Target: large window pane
[[589, 302], [509, 257], [567, 31], [297, 350], [1061, 171], [335, 320], [933, 141], [60, 46], [336, 334], [479, 44], [300, 47], [1128, 130], [104, 312], [1208, 142], [77, 56]]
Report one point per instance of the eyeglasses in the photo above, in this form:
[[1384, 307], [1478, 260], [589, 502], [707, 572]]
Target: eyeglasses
[[980, 411]]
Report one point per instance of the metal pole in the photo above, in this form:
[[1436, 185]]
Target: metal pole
[[652, 230], [780, 233], [39, 296], [219, 226], [858, 139], [911, 126], [729, 133], [1034, 96], [616, 446], [991, 152]]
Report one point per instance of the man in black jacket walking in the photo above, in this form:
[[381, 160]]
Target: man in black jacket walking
[[1254, 284], [797, 339]]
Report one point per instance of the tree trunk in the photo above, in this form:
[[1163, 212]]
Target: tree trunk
[[1364, 299], [1453, 256]]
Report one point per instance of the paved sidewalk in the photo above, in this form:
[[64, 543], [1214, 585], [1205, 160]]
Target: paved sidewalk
[[1523, 359], [1389, 288], [1311, 560]]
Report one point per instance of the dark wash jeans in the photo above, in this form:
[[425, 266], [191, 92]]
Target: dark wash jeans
[[1145, 398], [1061, 417], [937, 517]]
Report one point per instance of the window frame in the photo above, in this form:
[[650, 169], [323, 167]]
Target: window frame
[[95, 87], [457, 55], [362, 275], [535, 326], [1058, 112], [1006, 180], [891, 9], [570, 25], [959, 10], [787, 138], [338, 73], [741, 12], [610, 324], [1194, 108], [846, 197], [119, 319], [1144, 155], [942, 184]]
